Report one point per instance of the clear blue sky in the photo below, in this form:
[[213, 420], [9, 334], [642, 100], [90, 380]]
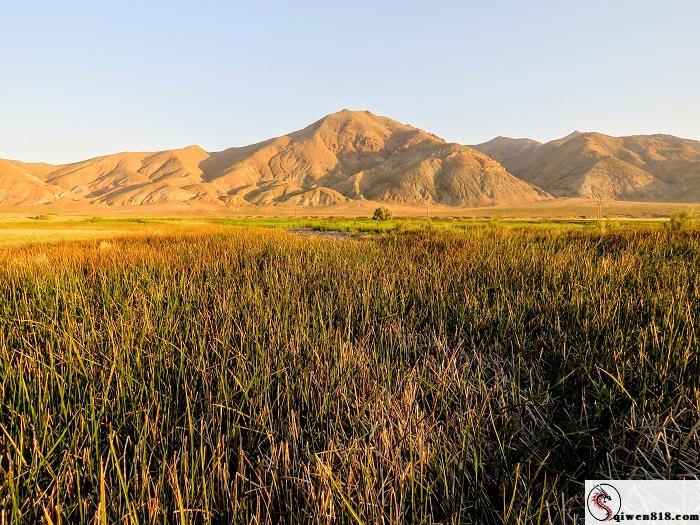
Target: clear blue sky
[[83, 78]]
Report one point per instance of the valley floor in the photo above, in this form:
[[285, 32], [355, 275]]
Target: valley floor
[[46, 224], [561, 208]]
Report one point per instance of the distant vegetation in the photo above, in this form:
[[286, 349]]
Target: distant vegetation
[[473, 375], [19, 232], [382, 214], [681, 220]]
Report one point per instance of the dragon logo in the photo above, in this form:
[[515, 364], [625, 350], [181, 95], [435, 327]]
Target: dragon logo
[[603, 502]]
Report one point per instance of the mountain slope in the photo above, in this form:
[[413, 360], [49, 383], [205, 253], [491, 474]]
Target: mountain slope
[[357, 155], [508, 151], [345, 156], [22, 183], [593, 165]]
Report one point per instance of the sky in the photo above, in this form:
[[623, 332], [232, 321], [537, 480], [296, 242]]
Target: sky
[[84, 78]]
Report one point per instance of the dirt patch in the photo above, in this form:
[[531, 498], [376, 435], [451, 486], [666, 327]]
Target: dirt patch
[[328, 234]]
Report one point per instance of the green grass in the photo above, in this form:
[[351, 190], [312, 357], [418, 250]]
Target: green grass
[[23, 235], [450, 375], [56, 228]]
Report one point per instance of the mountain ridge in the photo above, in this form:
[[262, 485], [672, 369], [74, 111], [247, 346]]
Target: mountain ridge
[[657, 167], [344, 156], [356, 156]]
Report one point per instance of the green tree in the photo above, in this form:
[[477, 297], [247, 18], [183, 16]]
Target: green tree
[[382, 214]]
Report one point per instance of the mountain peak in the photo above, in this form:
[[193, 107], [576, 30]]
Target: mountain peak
[[500, 139], [193, 148], [347, 155], [357, 155], [594, 165], [346, 129], [364, 117]]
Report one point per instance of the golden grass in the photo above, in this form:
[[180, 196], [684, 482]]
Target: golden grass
[[255, 376]]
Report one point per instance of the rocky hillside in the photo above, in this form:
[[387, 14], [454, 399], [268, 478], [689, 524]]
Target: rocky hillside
[[345, 156], [593, 165]]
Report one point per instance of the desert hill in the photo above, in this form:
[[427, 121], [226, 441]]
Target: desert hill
[[344, 157], [508, 151], [23, 183], [593, 165]]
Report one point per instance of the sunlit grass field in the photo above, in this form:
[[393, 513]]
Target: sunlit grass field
[[235, 372], [50, 228]]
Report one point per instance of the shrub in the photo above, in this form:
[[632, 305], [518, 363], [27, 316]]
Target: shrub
[[680, 221], [382, 214]]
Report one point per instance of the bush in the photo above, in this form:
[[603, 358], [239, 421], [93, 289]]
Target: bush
[[382, 214], [680, 221]]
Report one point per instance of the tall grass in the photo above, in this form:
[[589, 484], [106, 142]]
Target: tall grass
[[427, 377]]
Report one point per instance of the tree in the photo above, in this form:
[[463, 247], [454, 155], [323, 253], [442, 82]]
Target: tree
[[382, 214]]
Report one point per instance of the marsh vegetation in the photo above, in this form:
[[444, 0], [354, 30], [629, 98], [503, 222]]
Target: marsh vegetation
[[473, 375]]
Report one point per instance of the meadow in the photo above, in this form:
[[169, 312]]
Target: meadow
[[469, 372], [21, 230]]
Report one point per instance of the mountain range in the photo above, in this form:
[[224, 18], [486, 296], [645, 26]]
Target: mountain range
[[358, 156], [592, 165]]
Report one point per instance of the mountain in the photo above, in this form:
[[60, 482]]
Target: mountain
[[345, 156], [21, 183], [593, 165], [507, 150]]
